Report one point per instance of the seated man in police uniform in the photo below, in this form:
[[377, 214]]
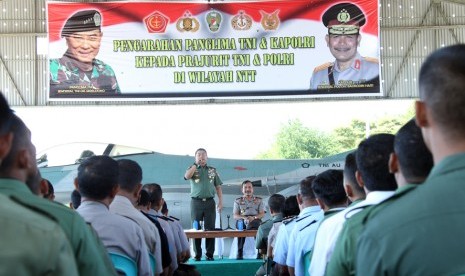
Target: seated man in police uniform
[[78, 71], [250, 210], [350, 69]]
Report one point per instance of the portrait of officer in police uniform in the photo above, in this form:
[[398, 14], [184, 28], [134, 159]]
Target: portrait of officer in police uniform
[[349, 69], [78, 70]]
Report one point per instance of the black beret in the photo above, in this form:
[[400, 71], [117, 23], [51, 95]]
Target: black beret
[[344, 14], [82, 21]]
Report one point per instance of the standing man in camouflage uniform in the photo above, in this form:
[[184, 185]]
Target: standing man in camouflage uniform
[[78, 71], [350, 69], [247, 208], [204, 181]]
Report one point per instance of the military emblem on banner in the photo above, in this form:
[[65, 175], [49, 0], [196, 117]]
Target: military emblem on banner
[[270, 21], [241, 21], [156, 22], [213, 20], [187, 23]]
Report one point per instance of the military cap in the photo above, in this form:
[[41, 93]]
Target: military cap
[[82, 21], [344, 19]]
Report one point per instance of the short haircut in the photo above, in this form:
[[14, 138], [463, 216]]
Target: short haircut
[[415, 160], [442, 86], [51, 190], [5, 115], [144, 198], [20, 140], [328, 186], [276, 203], [291, 206], [350, 167], [245, 182], [130, 174], [97, 177], [200, 149], [373, 162], [155, 192], [305, 188], [164, 208], [76, 199]]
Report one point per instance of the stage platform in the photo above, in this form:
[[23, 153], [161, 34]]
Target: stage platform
[[226, 267]]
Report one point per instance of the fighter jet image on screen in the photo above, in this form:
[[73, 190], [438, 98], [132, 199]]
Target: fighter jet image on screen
[[59, 165]]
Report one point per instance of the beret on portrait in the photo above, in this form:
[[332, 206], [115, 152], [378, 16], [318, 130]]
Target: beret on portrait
[[82, 21]]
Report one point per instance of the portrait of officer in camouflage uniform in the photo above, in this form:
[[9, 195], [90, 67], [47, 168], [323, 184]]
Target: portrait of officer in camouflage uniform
[[78, 70], [250, 210], [350, 69]]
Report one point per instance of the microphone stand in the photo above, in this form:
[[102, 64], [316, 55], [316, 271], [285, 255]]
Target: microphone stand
[[229, 227]]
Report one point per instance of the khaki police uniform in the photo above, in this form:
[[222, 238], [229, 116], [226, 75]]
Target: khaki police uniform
[[248, 208]]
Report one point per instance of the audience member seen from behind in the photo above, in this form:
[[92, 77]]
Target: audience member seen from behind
[[440, 115], [97, 181], [91, 257], [281, 241], [373, 174], [50, 195], [329, 230], [144, 205], [302, 236], [75, 199], [27, 236], [328, 187], [129, 180], [411, 163], [276, 205], [248, 209], [182, 236], [205, 182], [156, 201]]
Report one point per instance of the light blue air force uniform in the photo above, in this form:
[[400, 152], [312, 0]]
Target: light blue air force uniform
[[363, 71]]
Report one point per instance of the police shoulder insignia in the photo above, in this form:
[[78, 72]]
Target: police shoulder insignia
[[371, 59], [322, 67], [288, 220]]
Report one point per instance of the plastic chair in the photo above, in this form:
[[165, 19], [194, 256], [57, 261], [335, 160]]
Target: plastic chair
[[307, 262], [124, 264], [152, 263]]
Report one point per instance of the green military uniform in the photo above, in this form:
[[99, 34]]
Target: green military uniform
[[246, 207], [261, 239], [32, 244], [419, 232], [91, 256], [203, 189], [342, 261]]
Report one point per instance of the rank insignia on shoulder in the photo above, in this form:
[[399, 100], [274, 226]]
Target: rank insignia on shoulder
[[322, 67]]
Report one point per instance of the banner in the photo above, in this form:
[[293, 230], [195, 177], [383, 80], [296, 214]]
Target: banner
[[253, 49]]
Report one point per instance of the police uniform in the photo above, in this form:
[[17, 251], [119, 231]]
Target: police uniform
[[203, 188], [65, 73], [246, 207], [345, 19]]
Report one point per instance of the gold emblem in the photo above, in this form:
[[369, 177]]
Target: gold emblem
[[241, 21], [270, 21], [188, 23], [343, 16]]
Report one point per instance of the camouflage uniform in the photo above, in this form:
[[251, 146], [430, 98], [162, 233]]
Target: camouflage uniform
[[64, 74]]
